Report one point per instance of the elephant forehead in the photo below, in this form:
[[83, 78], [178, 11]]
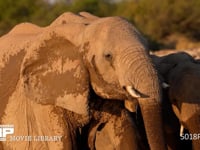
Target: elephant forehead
[[118, 31]]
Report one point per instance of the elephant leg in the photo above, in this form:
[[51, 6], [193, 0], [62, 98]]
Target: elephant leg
[[196, 144], [94, 127], [185, 144], [172, 137], [171, 124], [194, 129], [190, 115], [192, 137]]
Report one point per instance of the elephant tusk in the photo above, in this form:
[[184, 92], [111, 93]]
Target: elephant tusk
[[181, 130], [165, 85], [133, 92]]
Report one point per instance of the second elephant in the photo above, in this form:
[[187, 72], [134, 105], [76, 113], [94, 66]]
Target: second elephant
[[184, 81], [112, 127], [182, 73]]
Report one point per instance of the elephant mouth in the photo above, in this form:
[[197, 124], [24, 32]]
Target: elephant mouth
[[133, 95], [131, 105]]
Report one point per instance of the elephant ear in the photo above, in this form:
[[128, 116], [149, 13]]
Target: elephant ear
[[69, 17], [53, 73], [88, 16]]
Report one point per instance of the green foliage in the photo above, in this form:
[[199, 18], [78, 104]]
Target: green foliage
[[160, 18], [155, 18], [97, 7], [42, 13], [13, 12]]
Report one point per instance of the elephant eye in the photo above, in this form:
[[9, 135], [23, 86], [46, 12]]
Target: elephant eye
[[108, 56]]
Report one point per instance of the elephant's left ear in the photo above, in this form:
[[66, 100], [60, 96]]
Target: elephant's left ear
[[53, 73]]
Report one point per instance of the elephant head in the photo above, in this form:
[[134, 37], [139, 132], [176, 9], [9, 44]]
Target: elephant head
[[68, 59], [120, 68], [165, 63]]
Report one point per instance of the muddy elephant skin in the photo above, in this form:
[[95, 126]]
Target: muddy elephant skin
[[57, 66]]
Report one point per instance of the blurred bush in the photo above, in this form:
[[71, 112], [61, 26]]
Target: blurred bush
[[13, 12], [155, 18]]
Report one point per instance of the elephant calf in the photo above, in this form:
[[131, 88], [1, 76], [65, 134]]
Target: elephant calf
[[113, 127]]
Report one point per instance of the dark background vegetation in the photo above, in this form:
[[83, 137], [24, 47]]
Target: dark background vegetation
[[163, 22]]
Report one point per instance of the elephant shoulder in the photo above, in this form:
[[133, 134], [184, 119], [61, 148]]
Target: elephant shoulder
[[30, 29], [16, 42]]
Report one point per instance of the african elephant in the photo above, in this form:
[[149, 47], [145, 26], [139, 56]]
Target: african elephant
[[57, 66], [182, 74], [184, 81]]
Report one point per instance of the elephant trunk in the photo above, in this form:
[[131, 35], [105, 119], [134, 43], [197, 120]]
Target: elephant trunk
[[145, 82], [151, 113], [150, 105]]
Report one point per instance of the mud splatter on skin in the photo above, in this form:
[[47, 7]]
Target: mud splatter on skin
[[28, 116], [9, 76], [13, 48], [55, 71]]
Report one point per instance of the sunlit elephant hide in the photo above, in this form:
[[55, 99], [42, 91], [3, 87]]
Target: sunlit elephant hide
[[48, 72]]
